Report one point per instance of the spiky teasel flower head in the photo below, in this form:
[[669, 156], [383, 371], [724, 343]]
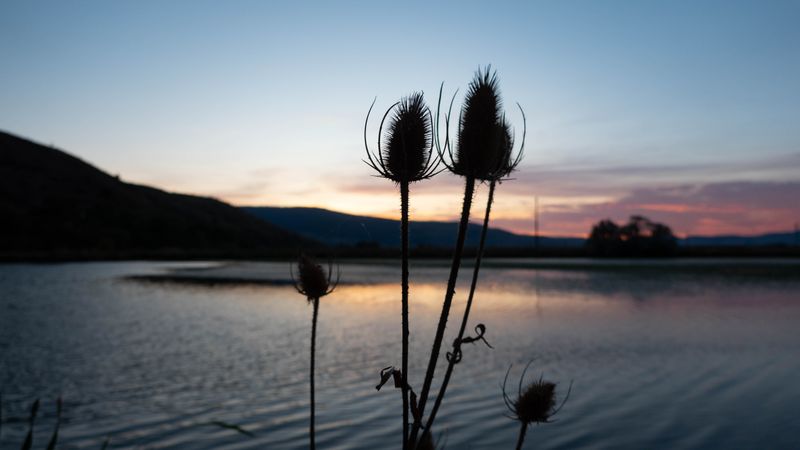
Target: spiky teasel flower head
[[479, 136], [312, 280], [507, 161], [484, 146], [406, 154], [536, 403]]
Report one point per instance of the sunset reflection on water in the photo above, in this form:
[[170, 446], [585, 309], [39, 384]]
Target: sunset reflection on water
[[658, 358]]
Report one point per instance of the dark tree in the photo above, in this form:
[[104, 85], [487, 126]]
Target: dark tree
[[639, 237]]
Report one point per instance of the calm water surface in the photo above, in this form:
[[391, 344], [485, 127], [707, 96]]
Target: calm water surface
[[664, 357]]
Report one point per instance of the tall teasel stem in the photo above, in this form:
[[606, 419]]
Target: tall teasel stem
[[455, 356], [506, 164], [404, 244], [483, 153], [312, 444], [469, 191], [406, 156]]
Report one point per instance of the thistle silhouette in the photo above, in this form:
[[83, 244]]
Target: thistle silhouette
[[507, 162], [483, 154], [534, 404], [313, 282], [406, 157]]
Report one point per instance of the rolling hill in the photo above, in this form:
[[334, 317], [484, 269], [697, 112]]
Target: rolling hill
[[52, 203], [335, 228]]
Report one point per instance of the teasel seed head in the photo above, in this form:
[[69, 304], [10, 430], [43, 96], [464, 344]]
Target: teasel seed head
[[406, 154], [312, 280], [484, 144], [507, 161], [536, 403], [479, 136]]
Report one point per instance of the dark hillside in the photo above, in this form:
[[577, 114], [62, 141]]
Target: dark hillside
[[52, 202]]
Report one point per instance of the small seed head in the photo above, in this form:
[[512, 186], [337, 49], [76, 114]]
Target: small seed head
[[506, 162], [537, 403], [312, 280]]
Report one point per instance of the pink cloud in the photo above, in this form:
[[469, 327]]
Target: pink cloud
[[715, 208]]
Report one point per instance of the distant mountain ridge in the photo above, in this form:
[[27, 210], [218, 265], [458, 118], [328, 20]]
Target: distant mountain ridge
[[763, 240], [54, 203], [335, 228]]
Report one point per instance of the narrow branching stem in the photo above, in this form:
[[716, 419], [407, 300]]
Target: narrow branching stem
[[523, 428], [469, 190], [404, 244], [312, 445], [457, 343]]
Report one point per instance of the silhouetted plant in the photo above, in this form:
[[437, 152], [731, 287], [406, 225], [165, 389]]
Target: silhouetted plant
[[54, 438], [407, 157], [507, 163], [26, 445], [34, 410], [536, 403], [313, 282], [480, 155]]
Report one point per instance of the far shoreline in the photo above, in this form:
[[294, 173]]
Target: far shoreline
[[371, 253]]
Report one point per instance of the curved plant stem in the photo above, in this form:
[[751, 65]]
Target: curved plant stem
[[469, 190], [311, 377], [522, 430], [457, 343], [404, 239]]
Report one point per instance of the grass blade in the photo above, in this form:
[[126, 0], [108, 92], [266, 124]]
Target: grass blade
[[29, 438], [54, 438]]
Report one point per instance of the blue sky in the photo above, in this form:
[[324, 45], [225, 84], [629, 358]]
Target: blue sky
[[264, 102]]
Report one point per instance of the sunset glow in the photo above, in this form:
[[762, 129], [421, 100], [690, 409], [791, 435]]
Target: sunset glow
[[625, 115]]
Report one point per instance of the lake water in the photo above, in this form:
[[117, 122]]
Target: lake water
[[675, 354]]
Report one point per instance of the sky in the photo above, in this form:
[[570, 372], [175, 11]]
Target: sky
[[686, 112]]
